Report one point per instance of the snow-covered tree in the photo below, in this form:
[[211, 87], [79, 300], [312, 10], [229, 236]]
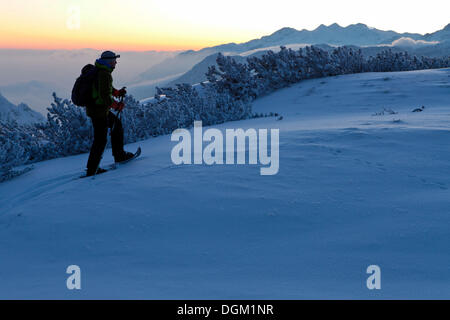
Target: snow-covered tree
[[68, 127], [232, 78]]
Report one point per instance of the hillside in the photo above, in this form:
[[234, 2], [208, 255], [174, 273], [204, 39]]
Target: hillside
[[356, 186], [20, 113], [198, 73]]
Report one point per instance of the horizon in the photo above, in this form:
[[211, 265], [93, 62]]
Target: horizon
[[196, 49], [174, 25]]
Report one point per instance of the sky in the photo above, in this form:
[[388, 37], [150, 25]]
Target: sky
[[193, 24]]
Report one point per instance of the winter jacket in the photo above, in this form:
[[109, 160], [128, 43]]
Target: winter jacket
[[101, 92]]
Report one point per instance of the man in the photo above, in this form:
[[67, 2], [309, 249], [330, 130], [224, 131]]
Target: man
[[101, 116]]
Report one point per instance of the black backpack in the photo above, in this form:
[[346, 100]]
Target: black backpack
[[82, 89]]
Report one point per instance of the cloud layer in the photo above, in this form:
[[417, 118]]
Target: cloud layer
[[410, 43]]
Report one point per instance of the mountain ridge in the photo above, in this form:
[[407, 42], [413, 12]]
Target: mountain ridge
[[21, 113], [358, 34]]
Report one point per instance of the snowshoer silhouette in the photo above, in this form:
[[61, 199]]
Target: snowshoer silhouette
[[101, 116]]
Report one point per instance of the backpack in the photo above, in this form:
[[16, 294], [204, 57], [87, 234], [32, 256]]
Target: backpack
[[82, 89]]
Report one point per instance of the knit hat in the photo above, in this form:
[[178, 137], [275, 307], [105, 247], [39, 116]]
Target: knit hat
[[107, 55]]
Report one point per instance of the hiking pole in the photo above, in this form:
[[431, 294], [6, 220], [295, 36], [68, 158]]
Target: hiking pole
[[119, 114]]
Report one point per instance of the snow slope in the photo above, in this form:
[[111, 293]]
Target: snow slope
[[354, 189], [20, 113]]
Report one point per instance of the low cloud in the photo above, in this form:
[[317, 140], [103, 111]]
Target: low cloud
[[408, 42]]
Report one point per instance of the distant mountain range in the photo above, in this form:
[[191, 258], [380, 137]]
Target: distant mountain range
[[36, 94], [371, 40], [21, 113], [355, 34]]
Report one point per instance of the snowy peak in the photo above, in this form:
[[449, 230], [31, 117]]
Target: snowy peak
[[355, 34], [333, 26], [358, 34], [21, 113], [358, 26], [441, 35], [284, 32]]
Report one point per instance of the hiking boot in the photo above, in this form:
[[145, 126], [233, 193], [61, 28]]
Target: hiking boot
[[124, 156], [90, 173]]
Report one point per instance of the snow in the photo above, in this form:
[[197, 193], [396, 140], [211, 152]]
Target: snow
[[354, 34], [21, 113], [354, 189], [147, 88]]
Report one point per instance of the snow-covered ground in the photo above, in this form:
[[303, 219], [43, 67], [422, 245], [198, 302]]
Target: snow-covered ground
[[354, 189]]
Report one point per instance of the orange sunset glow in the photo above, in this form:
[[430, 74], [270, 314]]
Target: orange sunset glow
[[179, 25], [81, 24]]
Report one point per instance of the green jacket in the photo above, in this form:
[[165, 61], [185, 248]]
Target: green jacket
[[101, 92]]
